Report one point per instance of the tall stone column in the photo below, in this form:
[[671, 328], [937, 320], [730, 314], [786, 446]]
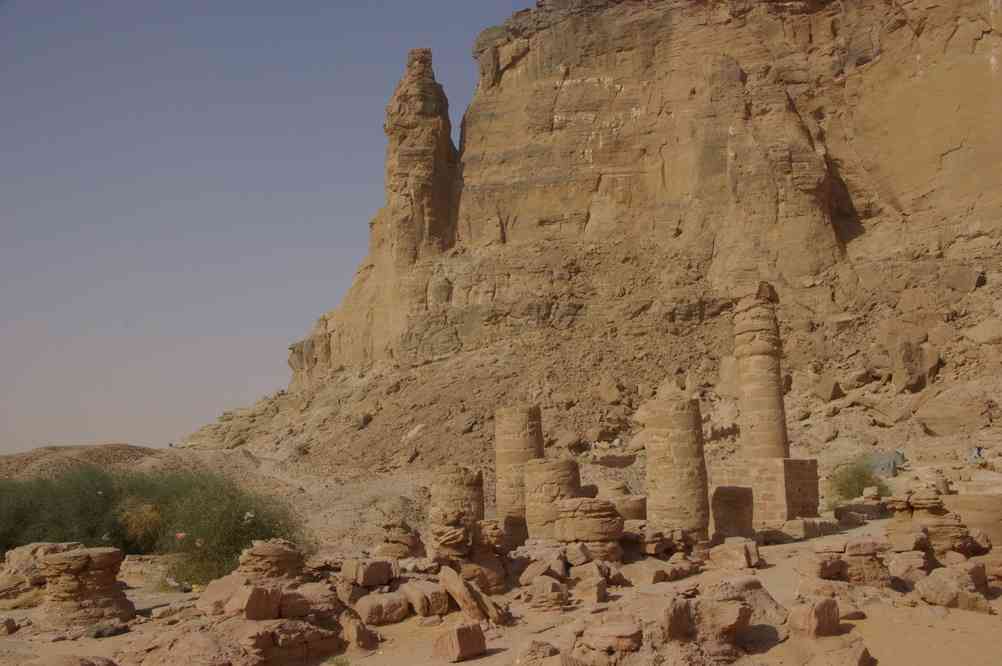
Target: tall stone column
[[518, 438], [758, 348], [677, 490], [781, 488]]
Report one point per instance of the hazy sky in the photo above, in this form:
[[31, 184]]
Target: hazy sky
[[184, 187]]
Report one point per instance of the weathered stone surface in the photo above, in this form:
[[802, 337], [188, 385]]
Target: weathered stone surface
[[21, 573], [815, 618], [677, 488], [477, 606], [518, 438], [757, 347], [369, 573], [736, 553], [548, 594], [81, 588], [546, 483], [585, 519], [272, 559], [457, 506], [460, 643], [426, 598], [962, 586], [383, 608]]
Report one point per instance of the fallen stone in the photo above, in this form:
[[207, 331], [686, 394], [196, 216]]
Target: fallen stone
[[426, 598], [384, 608], [816, 617], [460, 643]]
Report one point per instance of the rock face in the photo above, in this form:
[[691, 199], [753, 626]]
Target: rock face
[[417, 224], [627, 170]]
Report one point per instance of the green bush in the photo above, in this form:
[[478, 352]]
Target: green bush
[[849, 482], [203, 517]]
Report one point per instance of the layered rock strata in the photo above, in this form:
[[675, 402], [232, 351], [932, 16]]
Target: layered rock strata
[[81, 588]]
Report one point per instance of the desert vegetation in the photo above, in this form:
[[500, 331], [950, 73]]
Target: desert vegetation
[[849, 482], [203, 518]]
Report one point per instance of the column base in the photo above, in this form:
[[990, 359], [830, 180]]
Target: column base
[[748, 495]]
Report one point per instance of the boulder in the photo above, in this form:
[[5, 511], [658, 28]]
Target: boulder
[[962, 586]]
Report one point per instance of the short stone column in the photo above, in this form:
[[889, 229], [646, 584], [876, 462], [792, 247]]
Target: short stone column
[[594, 523], [518, 438], [457, 506], [677, 488], [758, 348], [546, 482], [81, 588]]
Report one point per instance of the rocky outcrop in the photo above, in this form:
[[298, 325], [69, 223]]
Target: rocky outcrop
[[417, 224], [626, 171]]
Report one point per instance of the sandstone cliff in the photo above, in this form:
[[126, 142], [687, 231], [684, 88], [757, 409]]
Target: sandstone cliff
[[627, 169]]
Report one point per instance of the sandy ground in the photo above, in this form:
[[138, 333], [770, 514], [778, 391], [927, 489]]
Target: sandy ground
[[895, 635]]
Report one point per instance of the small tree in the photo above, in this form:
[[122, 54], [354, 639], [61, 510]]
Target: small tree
[[849, 482]]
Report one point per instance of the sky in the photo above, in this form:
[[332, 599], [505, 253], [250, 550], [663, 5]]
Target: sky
[[185, 187]]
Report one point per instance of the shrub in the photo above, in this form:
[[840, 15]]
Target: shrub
[[849, 482], [204, 517]]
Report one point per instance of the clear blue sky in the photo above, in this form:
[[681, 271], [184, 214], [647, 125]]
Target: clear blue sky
[[184, 187]]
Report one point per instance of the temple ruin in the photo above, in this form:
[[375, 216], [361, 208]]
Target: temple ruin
[[782, 488]]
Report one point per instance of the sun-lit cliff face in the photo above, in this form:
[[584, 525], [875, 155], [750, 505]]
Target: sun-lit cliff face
[[628, 169]]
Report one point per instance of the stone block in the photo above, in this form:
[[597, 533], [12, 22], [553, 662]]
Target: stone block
[[460, 643]]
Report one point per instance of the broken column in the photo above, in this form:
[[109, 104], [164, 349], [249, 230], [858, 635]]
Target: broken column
[[782, 488], [592, 522], [758, 348], [518, 438], [81, 588], [677, 493], [457, 505], [546, 482]]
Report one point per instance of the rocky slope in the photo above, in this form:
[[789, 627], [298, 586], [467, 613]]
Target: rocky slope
[[627, 169]]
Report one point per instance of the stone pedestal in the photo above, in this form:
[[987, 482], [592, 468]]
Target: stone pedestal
[[781, 489]]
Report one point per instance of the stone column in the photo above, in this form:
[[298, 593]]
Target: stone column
[[518, 438], [546, 482], [758, 348], [677, 489], [457, 506]]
